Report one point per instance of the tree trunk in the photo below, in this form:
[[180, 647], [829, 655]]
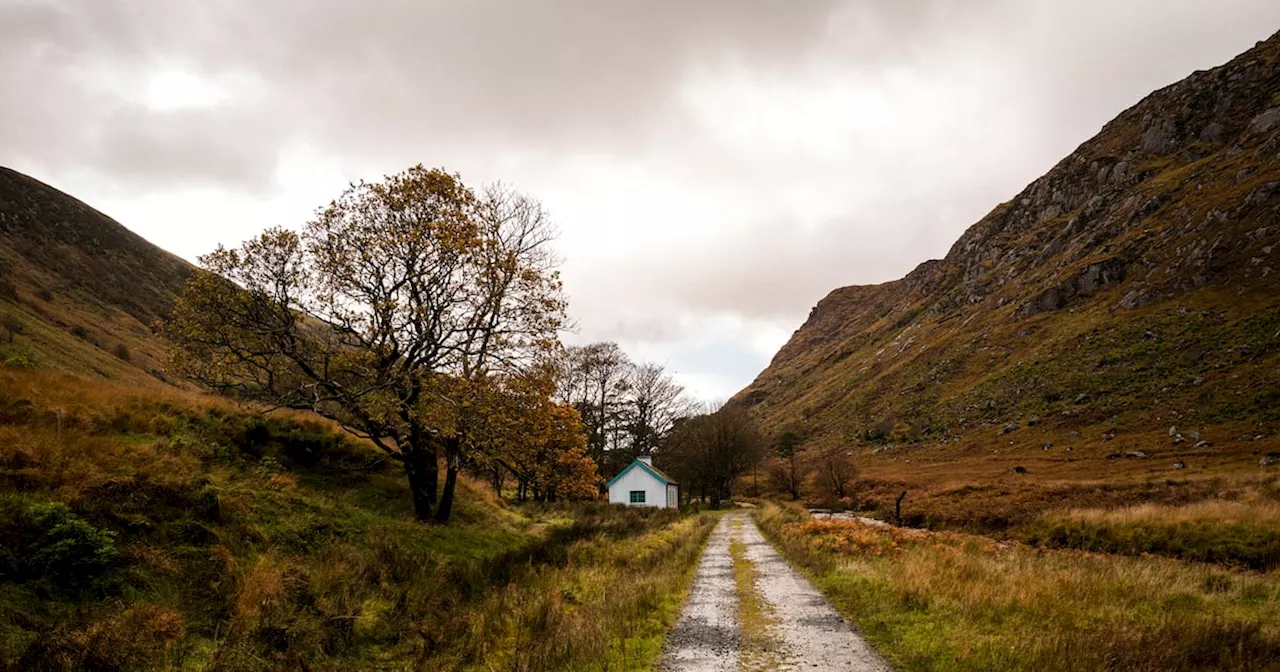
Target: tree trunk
[[423, 471], [453, 457]]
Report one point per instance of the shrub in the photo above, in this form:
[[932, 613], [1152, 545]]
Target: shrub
[[49, 541], [121, 351], [45, 295], [19, 361]]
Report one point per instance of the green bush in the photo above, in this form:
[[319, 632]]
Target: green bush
[[47, 541]]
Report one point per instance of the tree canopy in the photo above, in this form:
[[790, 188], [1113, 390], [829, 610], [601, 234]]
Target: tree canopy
[[408, 310]]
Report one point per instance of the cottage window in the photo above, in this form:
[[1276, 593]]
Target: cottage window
[[637, 496]]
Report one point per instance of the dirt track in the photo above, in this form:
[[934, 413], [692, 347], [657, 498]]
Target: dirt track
[[796, 630]]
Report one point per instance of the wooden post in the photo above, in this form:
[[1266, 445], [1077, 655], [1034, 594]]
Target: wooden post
[[59, 414], [897, 509]]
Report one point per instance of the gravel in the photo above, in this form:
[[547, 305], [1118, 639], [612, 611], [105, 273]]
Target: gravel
[[705, 639], [810, 634]]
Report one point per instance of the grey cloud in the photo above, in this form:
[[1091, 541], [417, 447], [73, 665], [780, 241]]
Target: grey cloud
[[380, 84]]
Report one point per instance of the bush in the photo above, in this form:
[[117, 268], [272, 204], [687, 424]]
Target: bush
[[48, 541], [121, 351], [19, 361]]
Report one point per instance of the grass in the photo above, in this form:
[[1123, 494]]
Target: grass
[[1245, 534], [953, 601], [758, 643], [161, 529]]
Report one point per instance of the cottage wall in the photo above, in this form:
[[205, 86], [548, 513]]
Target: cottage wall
[[638, 479]]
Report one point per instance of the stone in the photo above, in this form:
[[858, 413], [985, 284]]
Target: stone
[[1135, 298], [1119, 172], [1195, 436], [1265, 122], [1019, 470], [1082, 398], [1158, 136], [1203, 444], [1178, 440], [1173, 431], [1179, 465], [1136, 454], [1047, 445], [1269, 459], [1011, 427]]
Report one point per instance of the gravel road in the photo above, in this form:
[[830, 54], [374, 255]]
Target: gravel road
[[705, 639], [806, 633]]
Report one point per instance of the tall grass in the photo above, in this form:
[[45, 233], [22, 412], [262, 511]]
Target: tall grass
[[1230, 532], [177, 531], [950, 601]]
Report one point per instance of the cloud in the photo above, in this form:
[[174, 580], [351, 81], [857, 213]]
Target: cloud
[[716, 166]]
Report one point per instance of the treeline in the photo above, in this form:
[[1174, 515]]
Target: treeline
[[424, 316]]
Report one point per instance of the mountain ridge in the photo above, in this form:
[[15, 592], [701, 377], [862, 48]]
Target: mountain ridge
[[85, 289], [1174, 200]]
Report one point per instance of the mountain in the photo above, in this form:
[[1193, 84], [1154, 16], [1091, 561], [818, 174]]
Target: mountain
[[84, 289], [1134, 287]]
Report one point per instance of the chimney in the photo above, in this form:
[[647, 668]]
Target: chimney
[[647, 459]]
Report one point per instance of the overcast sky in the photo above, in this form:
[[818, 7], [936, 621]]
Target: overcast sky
[[716, 167]]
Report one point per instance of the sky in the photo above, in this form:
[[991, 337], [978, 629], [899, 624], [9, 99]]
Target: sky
[[715, 167]]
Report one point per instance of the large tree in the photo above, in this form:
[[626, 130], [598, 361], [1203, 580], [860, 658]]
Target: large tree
[[653, 403], [707, 452], [595, 380], [392, 312]]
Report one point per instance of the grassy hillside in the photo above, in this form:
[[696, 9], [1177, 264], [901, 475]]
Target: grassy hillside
[[161, 529], [85, 289], [1128, 302]]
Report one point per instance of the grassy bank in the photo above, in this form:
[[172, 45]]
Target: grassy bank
[[953, 601], [1242, 534], [164, 530]]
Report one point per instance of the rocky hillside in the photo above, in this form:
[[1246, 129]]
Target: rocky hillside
[[82, 290], [1134, 287]]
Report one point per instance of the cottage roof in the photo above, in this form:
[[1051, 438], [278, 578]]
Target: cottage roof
[[657, 473]]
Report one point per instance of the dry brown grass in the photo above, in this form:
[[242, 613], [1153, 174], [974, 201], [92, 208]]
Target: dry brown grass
[[223, 540], [956, 602]]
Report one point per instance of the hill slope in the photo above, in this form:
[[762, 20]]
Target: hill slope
[[1134, 287], [80, 284]]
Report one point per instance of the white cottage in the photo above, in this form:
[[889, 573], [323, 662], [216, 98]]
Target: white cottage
[[641, 484]]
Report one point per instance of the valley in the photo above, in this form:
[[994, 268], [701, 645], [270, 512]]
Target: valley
[[373, 439]]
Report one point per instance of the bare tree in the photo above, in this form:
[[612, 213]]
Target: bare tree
[[654, 401], [837, 470], [596, 381], [707, 452]]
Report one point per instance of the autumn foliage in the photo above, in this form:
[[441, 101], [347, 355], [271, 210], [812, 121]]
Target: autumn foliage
[[411, 311]]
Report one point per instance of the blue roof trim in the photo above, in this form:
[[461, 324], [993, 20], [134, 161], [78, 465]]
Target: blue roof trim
[[654, 472]]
